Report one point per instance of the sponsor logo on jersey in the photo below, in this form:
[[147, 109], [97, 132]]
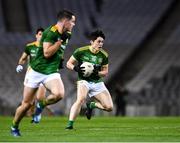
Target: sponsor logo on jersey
[[93, 58], [100, 60], [86, 58]]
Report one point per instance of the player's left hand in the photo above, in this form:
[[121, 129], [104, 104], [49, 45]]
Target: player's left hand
[[19, 68], [96, 70]]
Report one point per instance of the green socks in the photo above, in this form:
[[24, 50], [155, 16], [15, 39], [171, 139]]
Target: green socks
[[15, 125], [70, 123], [92, 105], [42, 103]]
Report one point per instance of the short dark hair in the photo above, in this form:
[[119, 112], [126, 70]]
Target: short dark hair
[[39, 29], [64, 14], [98, 33]]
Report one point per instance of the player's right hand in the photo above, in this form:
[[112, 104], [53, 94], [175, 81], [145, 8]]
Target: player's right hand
[[78, 68], [19, 68]]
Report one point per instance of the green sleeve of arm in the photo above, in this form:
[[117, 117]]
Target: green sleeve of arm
[[76, 54], [27, 50], [105, 61], [51, 37]]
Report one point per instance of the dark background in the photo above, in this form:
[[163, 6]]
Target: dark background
[[142, 38]]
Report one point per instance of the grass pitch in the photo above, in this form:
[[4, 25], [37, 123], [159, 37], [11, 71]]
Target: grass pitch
[[98, 129]]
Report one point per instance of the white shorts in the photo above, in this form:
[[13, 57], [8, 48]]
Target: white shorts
[[35, 79], [94, 88]]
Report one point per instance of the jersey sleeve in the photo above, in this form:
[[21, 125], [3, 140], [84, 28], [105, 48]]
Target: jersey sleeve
[[27, 50], [50, 37], [76, 54], [105, 60]]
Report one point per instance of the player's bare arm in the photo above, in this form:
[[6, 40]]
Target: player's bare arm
[[104, 71], [71, 63], [23, 59], [21, 62], [50, 49]]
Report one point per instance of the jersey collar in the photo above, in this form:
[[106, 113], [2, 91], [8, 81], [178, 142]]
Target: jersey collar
[[92, 50]]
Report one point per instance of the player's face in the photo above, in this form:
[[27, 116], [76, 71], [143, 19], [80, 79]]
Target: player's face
[[98, 43], [39, 35], [69, 24]]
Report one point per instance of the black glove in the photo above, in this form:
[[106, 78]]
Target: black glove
[[78, 68], [61, 66], [97, 68], [65, 35]]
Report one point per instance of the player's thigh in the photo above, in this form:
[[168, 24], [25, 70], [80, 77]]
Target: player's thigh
[[55, 86], [105, 99], [29, 94], [82, 91], [33, 79], [41, 92]]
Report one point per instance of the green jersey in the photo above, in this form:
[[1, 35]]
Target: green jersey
[[31, 50], [84, 54], [49, 65]]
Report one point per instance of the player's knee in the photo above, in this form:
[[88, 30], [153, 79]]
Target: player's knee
[[59, 95], [108, 108], [80, 101], [39, 98]]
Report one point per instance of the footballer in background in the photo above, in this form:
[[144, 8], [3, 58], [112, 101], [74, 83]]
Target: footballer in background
[[29, 55]]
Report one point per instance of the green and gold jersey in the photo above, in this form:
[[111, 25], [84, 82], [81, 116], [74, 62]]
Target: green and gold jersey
[[31, 50], [84, 54], [49, 65]]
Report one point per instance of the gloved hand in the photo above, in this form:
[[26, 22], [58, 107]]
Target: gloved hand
[[19, 68], [78, 68], [66, 35], [97, 68]]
